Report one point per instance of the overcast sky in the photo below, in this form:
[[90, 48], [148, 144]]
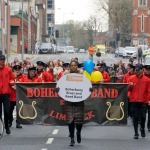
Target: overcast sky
[[81, 10]]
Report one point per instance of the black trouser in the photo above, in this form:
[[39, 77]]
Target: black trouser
[[148, 120], [12, 106], [72, 128], [138, 111], [4, 98], [129, 108]]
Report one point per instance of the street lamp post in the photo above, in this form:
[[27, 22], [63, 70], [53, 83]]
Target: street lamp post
[[64, 27], [22, 56]]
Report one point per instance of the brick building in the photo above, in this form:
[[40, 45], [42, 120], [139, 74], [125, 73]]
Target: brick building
[[141, 22]]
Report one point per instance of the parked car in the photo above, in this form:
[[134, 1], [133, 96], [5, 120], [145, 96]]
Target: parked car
[[147, 60], [70, 51], [82, 51], [46, 48], [130, 51], [119, 51]]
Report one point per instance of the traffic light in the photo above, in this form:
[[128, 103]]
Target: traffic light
[[57, 33]]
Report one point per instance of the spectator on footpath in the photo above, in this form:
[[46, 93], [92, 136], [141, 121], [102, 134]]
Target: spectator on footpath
[[26, 48], [17, 72], [140, 55], [36, 48], [6, 80], [91, 51], [131, 60], [98, 54], [139, 92]]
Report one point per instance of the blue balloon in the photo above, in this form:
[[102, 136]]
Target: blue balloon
[[88, 66]]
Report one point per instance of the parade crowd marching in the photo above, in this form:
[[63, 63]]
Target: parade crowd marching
[[137, 75]]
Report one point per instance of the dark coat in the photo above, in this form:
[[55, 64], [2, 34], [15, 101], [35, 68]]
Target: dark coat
[[74, 111]]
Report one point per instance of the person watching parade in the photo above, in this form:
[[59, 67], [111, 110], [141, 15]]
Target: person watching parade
[[6, 80], [139, 88], [17, 72], [41, 73], [31, 76]]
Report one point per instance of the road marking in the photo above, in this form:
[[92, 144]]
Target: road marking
[[50, 140], [44, 149], [111, 57], [55, 131]]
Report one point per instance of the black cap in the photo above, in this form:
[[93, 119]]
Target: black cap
[[131, 66], [17, 67], [2, 57], [65, 64], [32, 68], [138, 67], [147, 67], [40, 63], [80, 65]]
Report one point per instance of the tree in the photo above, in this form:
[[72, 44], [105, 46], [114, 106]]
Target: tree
[[119, 14]]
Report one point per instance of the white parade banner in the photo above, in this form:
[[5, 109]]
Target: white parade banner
[[74, 87]]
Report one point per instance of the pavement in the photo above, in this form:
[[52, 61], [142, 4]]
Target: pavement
[[19, 56]]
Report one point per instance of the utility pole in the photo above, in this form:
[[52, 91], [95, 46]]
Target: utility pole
[[22, 56], [29, 28], [7, 36], [1, 26]]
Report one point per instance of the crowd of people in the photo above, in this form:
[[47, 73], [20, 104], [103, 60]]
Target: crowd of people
[[136, 75]]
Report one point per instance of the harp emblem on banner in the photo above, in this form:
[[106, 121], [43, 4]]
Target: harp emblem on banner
[[27, 111], [114, 112]]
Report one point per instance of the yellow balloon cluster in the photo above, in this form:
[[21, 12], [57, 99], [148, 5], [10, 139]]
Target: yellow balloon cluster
[[96, 76], [87, 75]]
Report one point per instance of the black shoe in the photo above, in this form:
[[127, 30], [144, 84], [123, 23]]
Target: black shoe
[[136, 136], [78, 137], [8, 131], [142, 133], [19, 126], [72, 142]]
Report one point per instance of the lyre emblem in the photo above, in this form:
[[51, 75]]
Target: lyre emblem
[[114, 112], [27, 111]]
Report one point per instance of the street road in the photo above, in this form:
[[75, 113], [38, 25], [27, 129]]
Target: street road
[[38, 137]]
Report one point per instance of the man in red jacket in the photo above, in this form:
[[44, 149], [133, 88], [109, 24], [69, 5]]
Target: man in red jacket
[[41, 73], [106, 77], [147, 74], [17, 71], [139, 90], [130, 72], [6, 80]]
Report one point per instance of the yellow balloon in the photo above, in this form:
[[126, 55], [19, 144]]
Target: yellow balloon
[[87, 75], [96, 76]]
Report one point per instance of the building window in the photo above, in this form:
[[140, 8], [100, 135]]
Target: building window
[[142, 23], [50, 4], [142, 2], [50, 17]]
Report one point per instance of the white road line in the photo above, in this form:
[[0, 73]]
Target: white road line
[[44, 149], [50, 140], [55, 131]]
